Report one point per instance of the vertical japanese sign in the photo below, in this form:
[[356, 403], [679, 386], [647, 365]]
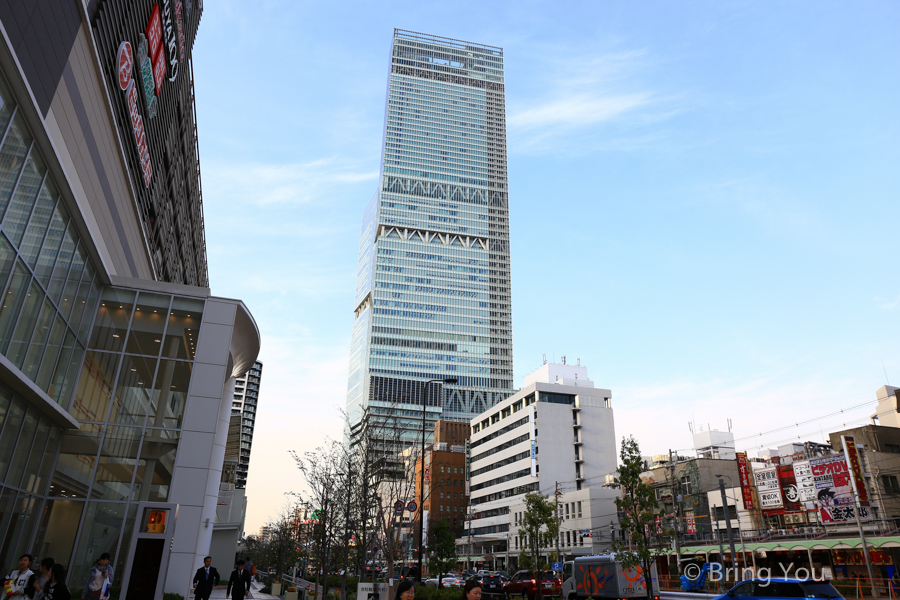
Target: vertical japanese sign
[[833, 490], [124, 69], [859, 484], [744, 472], [806, 483], [468, 460], [768, 487], [157, 55], [690, 524], [533, 443]]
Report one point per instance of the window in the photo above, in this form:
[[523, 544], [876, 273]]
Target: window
[[892, 448], [442, 495], [890, 484], [567, 510], [505, 412], [517, 406], [568, 538], [686, 486], [476, 428], [579, 509], [485, 424]]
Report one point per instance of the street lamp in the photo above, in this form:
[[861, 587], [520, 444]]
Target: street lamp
[[422, 476]]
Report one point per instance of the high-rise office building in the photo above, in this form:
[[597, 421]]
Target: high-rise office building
[[433, 297], [243, 408], [117, 364]]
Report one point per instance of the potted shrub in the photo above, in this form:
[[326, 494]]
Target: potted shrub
[[291, 593], [276, 588]]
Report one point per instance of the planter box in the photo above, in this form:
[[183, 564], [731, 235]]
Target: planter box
[[290, 596], [276, 589]]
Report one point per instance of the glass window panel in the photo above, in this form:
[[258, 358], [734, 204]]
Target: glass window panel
[[81, 297], [102, 526], [59, 372], [23, 199], [25, 328], [117, 461], [7, 259], [47, 259], [63, 262], [147, 325], [122, 557], [23, 449], [77, 457], [12, 157], [30, 247], [154, 473], [5, 397], [47, 462], [30, 477], [133, 390], [111, 323], [7, 519], [39, 340], [72, 372], [56, 531], [7, 104], [71, 289], [12, 302], [95, 386], [51, 355], [170, 393], [10, 430], [184, 325], [27, 509], [89, 311]]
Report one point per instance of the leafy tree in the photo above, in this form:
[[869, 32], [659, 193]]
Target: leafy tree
[[640, 516], [540, 528], [443, 556]]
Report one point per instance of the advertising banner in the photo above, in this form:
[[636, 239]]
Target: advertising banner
[[789, 493], [768, 488], [855, 469], [806, 485], [690, 524], [744, 472], [833, 491]]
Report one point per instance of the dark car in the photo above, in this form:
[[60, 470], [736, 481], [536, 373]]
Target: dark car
[[781, 588], [492, 585], [524, 584]]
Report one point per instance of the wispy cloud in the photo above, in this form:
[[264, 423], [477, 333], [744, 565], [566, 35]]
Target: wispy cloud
[[578, 111], [888, 305], [266, 184]]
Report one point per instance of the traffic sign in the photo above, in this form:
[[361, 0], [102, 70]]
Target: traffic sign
[[556, 566], [411, 507], [398, 506]]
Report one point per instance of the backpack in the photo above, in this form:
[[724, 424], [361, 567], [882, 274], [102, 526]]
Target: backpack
[[253, 570]]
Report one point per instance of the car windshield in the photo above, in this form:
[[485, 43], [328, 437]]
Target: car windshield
[[819, 589], [548, 575]]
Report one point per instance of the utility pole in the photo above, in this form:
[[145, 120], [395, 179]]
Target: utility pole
[[557, 494], [719, 538], [862, 536], [469, 546], [675, 497], [728, 523]]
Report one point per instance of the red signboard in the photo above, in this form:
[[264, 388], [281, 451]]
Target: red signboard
[[125, 66], [744, 471], [855, 469], [789, 493], [154, 32], [178, 22]]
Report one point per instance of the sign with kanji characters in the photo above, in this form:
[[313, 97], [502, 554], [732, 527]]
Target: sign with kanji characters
[[833, 491], [768, 488], [744, 472]]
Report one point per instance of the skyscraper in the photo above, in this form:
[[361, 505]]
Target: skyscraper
[[243, 408], [433, 296]]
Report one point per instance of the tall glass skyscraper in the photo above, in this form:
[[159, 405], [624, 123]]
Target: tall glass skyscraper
[[433, 294]]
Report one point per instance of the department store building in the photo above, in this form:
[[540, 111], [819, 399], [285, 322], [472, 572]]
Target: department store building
[[117, 364]]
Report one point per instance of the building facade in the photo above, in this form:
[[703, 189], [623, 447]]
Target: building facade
[[243, 410], [117, 364], [445, 475], [433, 295], [556, 434]]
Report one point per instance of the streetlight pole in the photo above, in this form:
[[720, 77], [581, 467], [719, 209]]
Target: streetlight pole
[[728, 523], [422, 475], [740, 529]]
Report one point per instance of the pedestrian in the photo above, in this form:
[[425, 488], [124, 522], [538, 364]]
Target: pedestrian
[[205, 579], [43, 579], [472, 590], [239, 581], [406, 590], [99, 580], [57, 589], [21, 581], [251, 568]]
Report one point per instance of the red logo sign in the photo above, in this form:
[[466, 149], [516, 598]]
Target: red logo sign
[[125, 64], [154, 32], [744, 470], [855, 469], [178, 22]]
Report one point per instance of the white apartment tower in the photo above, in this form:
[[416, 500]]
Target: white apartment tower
[[246, 393]]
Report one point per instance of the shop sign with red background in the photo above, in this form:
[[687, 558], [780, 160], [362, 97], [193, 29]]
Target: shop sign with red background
[[744, 472]]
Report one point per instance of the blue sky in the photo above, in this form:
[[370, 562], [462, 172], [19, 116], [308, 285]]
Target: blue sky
[[704, 202]]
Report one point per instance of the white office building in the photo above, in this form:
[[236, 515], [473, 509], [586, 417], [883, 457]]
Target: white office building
[[555, 434]]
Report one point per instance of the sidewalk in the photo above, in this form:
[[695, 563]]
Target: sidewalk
[[255, 594]]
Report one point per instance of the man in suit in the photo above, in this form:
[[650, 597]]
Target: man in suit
[[206, 578], [239, 581]]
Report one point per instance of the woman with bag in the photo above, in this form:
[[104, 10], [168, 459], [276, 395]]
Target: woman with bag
[[99, 580], [57, 589]]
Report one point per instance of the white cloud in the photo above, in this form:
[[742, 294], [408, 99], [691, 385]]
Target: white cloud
[[888, 305], [578, 111]]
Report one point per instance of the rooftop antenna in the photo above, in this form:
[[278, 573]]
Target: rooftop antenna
[[885, 372], [690, 427], [563, 359], [579, 361], [545, 358], [729, 425]]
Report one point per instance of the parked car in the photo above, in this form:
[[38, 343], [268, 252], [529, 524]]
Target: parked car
[[524, 584], [778, 587], [448, 581]]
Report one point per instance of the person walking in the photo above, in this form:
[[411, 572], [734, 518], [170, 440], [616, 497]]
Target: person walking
[[99, 580], [43, 578], [20, 582], [205, 579], [239, 581], [57, 589], [251, 568]]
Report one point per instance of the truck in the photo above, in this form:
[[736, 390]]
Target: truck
[[602, 576]]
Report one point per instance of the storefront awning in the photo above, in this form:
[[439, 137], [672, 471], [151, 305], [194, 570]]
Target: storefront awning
[[795, 545]]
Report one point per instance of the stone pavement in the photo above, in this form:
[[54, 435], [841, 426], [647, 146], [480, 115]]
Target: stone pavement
[[255, 594]]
